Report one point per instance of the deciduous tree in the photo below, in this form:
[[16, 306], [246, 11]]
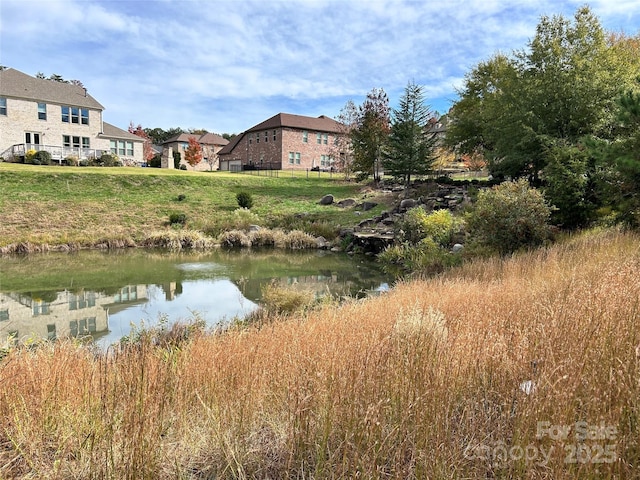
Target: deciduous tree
[[147, 151], [193, 153], [370, 133]]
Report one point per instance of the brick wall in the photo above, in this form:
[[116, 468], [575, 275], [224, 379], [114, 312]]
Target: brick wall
[[265, 152]]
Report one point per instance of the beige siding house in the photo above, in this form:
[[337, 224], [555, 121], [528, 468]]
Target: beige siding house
[[284, 141], [61, 118], [210, 143]]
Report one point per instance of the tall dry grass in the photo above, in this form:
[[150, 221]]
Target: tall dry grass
[[426, 381]]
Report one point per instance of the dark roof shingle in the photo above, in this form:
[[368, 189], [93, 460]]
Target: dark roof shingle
[[16, 84]]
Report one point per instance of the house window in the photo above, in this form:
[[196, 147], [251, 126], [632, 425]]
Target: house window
[[319, 137], [40, 308], [291, 156], [51, 331], [250, 138], [76, 142], [113, 146], [325, 138], [297, 158], [66, 141], [130, 149], [85, 142], [257, 137], [42, 111], [4, 315], [305, 136], [32, 138], [75, 115], [274, 135], [3, 106]]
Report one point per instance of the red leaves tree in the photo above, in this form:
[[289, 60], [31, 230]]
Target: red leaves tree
[[193, 153], [147, 151]]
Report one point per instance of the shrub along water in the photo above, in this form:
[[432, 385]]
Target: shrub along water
[[474, 374]]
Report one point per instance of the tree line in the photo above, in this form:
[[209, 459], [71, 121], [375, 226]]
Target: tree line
[[562, 113]]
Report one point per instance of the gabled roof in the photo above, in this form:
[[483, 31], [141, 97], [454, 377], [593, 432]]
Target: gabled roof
[[288, 120], [319, 124], [16, 84], [206, 139], [228, 148], [111, 131]]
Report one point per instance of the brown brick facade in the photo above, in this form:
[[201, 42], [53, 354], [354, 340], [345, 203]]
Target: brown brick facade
[[282, 147]]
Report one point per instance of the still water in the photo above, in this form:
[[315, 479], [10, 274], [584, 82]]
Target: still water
[[103, 294]]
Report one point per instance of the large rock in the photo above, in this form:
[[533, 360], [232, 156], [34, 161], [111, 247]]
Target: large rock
[[347, 202], [408, 203], [365, 206], [326, 200]]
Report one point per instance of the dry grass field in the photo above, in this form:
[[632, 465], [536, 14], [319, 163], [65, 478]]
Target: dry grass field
[[525, 367]]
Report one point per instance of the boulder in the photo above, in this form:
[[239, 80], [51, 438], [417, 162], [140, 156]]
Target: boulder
[[326, 200], [347, 202], [408, 203], [368, 206]]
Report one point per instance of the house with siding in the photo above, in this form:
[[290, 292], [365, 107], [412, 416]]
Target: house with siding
[[61, 118], [210, 143], [284, 141]]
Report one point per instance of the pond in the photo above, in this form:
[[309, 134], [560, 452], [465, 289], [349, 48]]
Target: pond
[[105, 293]]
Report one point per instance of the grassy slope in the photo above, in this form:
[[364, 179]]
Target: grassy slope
[[57, 205], [412, 384]]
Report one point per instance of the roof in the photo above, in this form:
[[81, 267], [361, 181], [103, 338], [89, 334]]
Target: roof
[[228, 148], [16, 84], [320, 124], [111, 131], [288, 120], [206, 139]]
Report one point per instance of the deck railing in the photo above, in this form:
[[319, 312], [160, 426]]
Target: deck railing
[[57, 152]]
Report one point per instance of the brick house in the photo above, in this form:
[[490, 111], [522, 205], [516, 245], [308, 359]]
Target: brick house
[[211, 144], [284, 141], [61, 118]]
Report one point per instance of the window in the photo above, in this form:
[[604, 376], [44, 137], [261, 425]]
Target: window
[[3, 106], [4, 315], [40, 308], [51, 331], [274, 135], [130, 149], [66, 141], [42, 111], [297, 158], [305, 136], [76, 142], [266, 136], [319, 137], [257, 137], [325, 138], [291, 155], [85, 142], [250, 138], [75, 115]]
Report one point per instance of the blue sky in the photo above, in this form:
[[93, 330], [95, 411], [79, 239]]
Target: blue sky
[[227, 65]]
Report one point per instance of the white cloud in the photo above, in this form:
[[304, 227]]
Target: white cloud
[[226, 65]]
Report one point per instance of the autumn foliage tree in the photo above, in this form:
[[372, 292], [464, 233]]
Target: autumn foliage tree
[[147, 151], [193, 153]]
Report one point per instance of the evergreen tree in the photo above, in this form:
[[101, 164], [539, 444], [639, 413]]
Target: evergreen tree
[[411, 145]]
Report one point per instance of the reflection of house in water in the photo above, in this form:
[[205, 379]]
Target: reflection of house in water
[[62, 314], [320, 285]]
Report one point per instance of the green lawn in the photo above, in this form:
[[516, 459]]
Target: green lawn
[[58, 205]]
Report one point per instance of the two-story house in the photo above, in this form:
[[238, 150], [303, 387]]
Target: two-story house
[[61, 118], [284, 141], [210, 143]]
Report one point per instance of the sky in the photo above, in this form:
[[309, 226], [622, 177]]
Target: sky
[[227, 65]]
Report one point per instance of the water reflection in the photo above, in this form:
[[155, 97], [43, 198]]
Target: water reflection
[[103, 293]]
